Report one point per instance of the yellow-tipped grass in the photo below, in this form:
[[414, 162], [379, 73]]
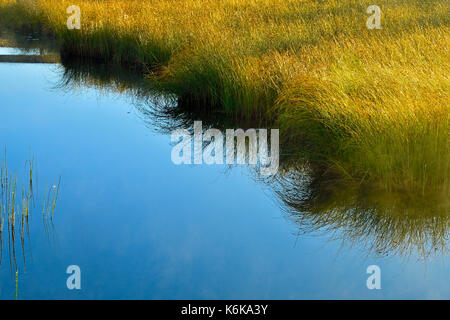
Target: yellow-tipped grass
[[370, 103]]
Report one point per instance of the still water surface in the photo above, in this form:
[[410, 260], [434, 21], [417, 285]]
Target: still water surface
[[141, 227]]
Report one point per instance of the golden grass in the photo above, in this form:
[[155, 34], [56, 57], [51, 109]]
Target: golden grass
[[372, 104]]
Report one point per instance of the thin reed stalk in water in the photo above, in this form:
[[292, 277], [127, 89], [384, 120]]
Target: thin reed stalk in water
[[17, 282], [55, 198], [16, 208]]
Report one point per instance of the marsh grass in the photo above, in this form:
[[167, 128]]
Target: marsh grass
[[358, 213], [16, 206], [368, 104]]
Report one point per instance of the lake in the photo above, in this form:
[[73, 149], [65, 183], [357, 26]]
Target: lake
[[140, 227]]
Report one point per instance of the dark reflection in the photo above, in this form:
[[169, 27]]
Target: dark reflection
[[161, 112], [378, 222]]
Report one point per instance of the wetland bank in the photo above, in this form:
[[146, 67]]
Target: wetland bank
[[368, 104], [371, 180]]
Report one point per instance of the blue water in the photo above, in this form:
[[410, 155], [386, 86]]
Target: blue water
[[140, 227]]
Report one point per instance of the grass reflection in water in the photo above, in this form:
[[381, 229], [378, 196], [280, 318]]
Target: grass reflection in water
[[359, 212]]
